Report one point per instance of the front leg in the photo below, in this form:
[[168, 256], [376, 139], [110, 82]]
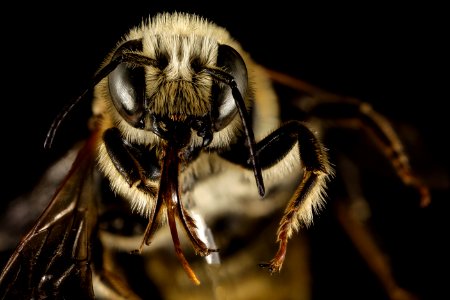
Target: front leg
[[137, 166], [308, 196], [355, 114]]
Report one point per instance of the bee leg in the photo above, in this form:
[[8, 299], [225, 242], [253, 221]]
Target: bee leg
[[353, 211], [308, 196], [352, 113], [137, 166], [129, 160], [371, 251]]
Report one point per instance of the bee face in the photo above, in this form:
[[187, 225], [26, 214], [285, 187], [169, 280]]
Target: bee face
[[167, 89]]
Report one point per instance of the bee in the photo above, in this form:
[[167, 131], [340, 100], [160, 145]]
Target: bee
[[186, 134]]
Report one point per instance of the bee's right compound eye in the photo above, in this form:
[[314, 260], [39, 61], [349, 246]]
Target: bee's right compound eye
[[127, 89], [127, 86]]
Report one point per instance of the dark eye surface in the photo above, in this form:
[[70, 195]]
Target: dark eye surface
[[127, 87], [224, 104]]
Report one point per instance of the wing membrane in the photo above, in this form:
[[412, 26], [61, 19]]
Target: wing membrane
[[54, 258]]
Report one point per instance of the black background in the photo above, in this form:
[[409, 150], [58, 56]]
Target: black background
[[390, 56]]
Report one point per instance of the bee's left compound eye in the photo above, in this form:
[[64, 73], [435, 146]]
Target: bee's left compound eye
[[225, 106], [127, 87]]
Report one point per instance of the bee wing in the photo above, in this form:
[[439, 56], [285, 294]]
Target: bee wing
[[54, 257]]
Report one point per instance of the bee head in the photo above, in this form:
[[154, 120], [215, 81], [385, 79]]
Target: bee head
[[176, 86], [175, 92]]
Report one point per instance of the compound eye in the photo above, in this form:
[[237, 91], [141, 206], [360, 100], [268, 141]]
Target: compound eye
[[225, 106], [127, 89], [127, 86]]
